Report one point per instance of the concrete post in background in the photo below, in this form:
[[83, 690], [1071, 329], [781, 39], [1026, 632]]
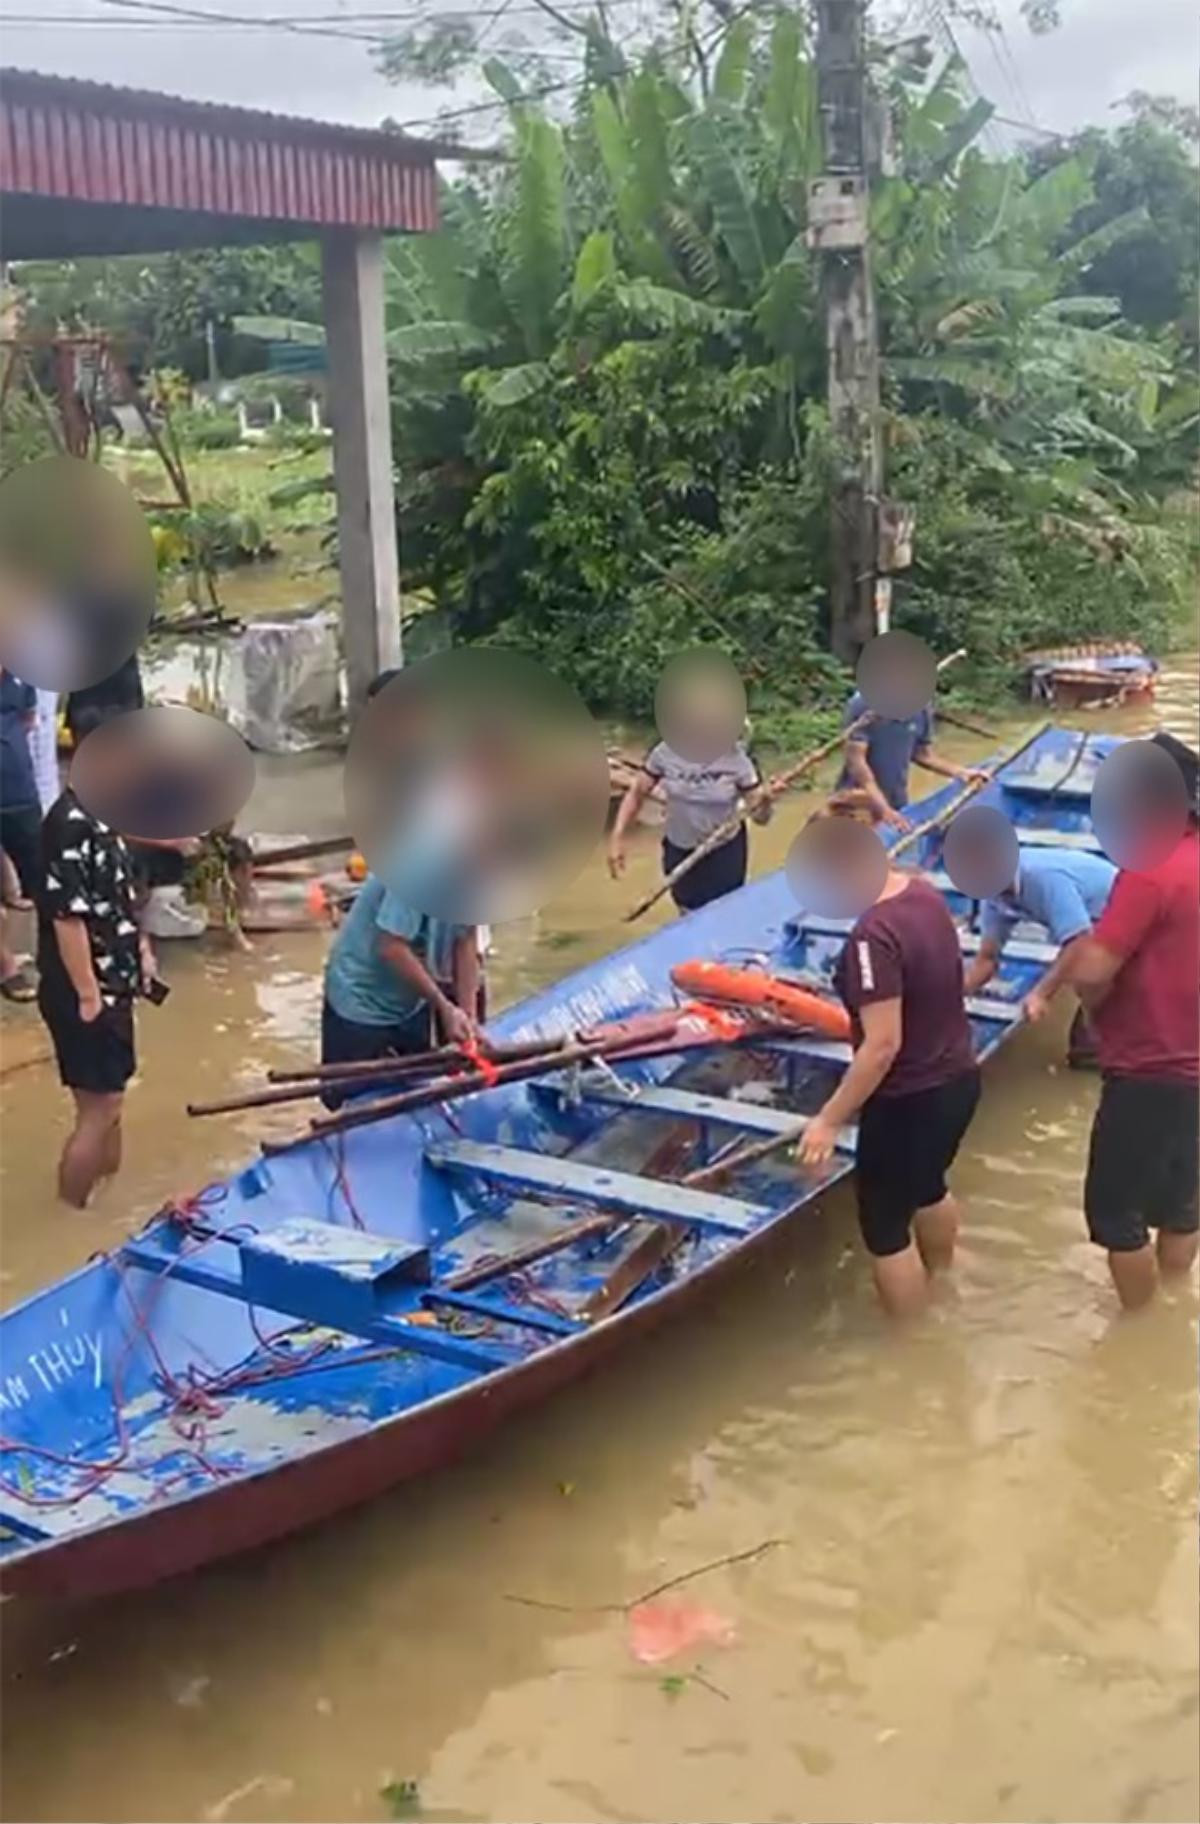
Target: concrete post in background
[[360, 414]]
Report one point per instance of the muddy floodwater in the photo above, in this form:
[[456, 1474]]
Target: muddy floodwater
[[982, 1602]]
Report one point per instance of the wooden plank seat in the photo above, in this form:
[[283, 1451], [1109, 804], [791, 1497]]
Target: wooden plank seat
[[748, 1117], [571, 1181]]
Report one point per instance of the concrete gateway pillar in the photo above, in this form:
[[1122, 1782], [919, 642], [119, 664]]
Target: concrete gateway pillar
[[360, 414]]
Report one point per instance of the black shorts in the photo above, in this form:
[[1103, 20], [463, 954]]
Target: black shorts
[[721, 872], [906, 1145], [1143, 1162], [352, 1042], [21, 840], [97, 1056]]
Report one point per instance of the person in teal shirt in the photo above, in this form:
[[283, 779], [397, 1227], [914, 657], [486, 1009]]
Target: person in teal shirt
[[391, 971]]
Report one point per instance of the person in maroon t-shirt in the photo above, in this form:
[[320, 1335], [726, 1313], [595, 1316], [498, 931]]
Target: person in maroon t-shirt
[[914, 1079], [1137, 973]]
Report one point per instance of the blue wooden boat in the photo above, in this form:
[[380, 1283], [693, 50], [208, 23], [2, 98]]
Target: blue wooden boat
[[291, 1346]]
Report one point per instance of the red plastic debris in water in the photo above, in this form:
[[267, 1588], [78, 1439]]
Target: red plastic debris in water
[[660, 1630]]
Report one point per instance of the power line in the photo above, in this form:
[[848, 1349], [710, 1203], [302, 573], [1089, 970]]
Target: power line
[[577, 82], [320, 22], [1000, 36], [242, 20]]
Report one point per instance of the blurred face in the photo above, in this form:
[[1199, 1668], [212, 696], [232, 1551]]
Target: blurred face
[[837, 867], [896, 675], [163, 773], [700, 705], [476, 783], [1140, 805], [77, 573], [981, 853]]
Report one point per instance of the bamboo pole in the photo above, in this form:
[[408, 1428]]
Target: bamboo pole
[[301, 1085], [449, 1089], [774, 788]]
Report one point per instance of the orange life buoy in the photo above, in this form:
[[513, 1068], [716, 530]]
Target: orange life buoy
[[755, 988]]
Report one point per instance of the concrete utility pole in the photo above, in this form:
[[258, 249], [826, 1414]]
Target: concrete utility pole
[[838, 230]]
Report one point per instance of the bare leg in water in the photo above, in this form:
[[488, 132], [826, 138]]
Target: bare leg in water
[[1176, 1253], [1135, 1275], [936, 1231], [901, 1281], [93, 1150]]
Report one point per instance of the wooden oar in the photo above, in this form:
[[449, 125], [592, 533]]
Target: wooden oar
[[414, 1061], [971, 791], [515, 1258], [450, 1089], [772, 789], [618, 1048]]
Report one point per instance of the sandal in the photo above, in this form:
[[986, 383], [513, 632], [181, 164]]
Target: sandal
[[21, 985]]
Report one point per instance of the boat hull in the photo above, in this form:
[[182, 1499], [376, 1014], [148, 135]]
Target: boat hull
[[178, 1537]]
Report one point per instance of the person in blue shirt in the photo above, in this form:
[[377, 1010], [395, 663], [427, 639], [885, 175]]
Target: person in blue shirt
[[391, 970], [1065, 890], [878, 755], [20, 817]]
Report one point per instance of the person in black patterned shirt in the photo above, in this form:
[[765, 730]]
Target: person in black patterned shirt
[[92, 962]]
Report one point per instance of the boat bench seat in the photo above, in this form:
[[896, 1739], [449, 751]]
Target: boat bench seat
[[344, 1280], [748, 1117], [572, 1181]]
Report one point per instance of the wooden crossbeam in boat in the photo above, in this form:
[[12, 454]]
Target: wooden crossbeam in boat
[[572, 1181], [155, 1255], [749, 1117], [501, 1311]]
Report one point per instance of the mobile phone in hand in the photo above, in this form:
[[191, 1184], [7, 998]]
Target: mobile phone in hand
[[156, 992]]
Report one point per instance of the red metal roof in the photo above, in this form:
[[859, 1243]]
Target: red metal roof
[[85, 142]]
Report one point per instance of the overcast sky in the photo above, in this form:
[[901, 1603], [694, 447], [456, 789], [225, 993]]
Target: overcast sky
[[1104, 49]]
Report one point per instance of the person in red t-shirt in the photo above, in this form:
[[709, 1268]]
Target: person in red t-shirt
[[1137, 973]]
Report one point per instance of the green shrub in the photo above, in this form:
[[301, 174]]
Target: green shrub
[[198, 429]]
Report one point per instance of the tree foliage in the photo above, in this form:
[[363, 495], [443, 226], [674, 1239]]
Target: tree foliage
[[634, 452]]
